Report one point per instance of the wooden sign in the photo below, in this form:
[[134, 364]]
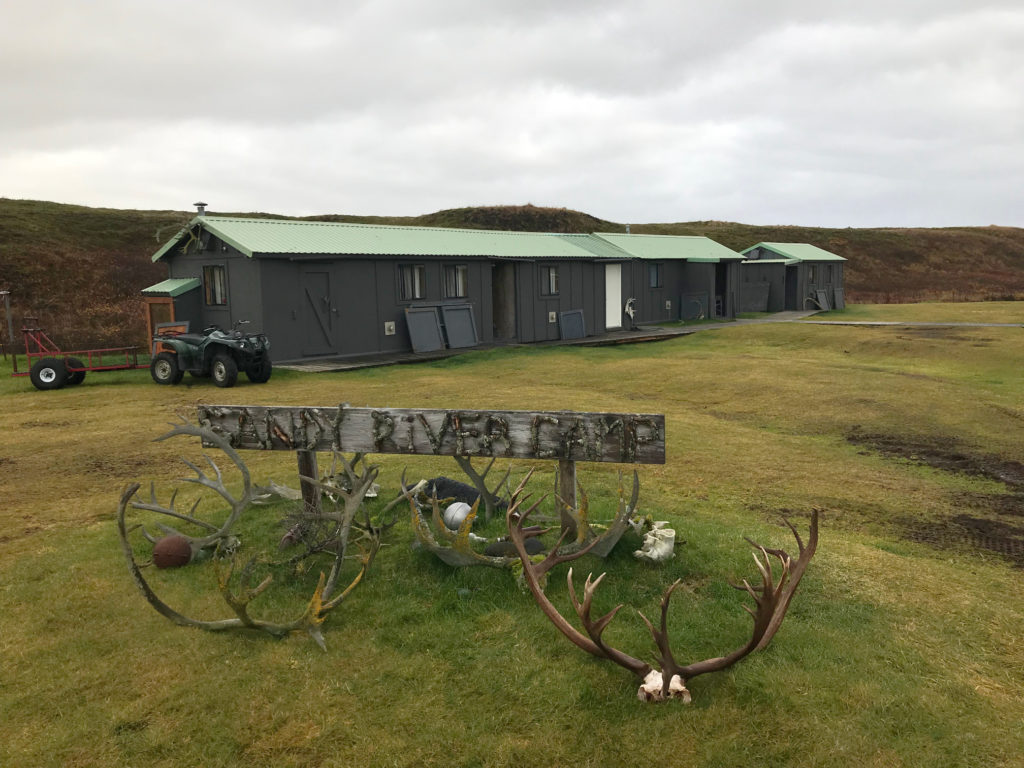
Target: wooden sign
[[631, 438]]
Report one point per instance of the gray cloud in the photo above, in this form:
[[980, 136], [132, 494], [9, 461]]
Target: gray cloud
[[800, 112]]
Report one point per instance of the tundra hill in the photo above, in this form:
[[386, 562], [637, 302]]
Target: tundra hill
[[79, 270]]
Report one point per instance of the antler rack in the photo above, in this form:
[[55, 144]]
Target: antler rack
[[669, 680]]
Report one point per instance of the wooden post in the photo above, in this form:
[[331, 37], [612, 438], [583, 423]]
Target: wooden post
[[310, 492], [567, 493]]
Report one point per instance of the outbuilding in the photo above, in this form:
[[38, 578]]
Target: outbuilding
[[790, 276], [350, 290]]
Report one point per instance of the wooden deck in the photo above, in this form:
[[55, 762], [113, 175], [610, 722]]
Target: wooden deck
[[640, 335]]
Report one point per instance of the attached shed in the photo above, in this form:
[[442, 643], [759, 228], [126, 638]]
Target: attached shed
[[675, 277], [790, 276]]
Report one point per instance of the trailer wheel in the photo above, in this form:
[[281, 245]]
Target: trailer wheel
[[49, 373], [75, 377], [260, 374], [164, 368], [224, 371]]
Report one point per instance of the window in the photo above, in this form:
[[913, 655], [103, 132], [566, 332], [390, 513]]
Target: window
[[413, 280], [455, 279], [810, 273], [656, 275], [549, 281], [215, 285]]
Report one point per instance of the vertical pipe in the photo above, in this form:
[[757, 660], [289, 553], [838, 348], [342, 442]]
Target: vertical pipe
[[10, 327]]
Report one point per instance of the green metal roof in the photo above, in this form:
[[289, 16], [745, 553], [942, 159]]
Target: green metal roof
[[277, 236], [597, 246], [798, 251], [663, 247], [172, 287]]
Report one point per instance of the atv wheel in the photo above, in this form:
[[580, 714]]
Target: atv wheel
[[164, 369], [49, 373], [224, 371], [260, 373], [75, 377]]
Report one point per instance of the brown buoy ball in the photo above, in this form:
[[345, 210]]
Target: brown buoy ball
[[172, 552]]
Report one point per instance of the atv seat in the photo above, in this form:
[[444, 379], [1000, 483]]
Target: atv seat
[[189, 338]]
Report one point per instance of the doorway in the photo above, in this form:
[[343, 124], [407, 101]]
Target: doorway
[[612, 296], [503, 301], [317, 314]]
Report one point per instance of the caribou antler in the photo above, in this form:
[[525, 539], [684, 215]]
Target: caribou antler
[[771, 600], [220, 537], [492, 502], [328, 534]]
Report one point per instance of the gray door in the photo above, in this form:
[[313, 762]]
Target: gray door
[[317, 313]]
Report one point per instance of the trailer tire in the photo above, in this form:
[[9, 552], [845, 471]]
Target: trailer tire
[[224, 371], [164, 368], [75, 377], [49, 373]]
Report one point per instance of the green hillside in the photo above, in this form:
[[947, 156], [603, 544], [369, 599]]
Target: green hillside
[[79, 270]]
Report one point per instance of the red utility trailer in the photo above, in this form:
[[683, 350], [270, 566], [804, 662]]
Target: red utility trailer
[[51, 368]]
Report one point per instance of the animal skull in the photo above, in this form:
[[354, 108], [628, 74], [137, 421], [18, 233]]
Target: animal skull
[[650, 690]]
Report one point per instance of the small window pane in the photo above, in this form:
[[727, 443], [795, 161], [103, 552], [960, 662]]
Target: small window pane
[[549, 281], [412, 279], [655, 274], [215, 285], [455, 279]]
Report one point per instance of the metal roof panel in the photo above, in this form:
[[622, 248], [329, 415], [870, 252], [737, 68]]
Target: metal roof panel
[[798, 251], [278, 236], [664, 247], [172, 287]]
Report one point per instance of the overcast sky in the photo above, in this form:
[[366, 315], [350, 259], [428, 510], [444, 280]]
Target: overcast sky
[[813, 112]]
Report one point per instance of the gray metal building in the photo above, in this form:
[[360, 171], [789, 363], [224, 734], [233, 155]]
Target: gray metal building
[[348, 290], [790, 276]]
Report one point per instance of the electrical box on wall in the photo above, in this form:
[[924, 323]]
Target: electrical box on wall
[[668, 304], [389, 328], [552, 317]]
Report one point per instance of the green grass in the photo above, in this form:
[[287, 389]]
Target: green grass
[[895, 653]]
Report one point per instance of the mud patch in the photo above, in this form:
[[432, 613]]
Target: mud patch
[[39, 424], [948, 454], [963, 531], [977, 524], [116, 467]]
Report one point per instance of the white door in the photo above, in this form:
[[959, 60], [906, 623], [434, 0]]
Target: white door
[[612, 296]]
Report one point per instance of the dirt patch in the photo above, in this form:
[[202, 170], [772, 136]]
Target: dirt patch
[[1001, 503], [981, 528], [963, 531], [947, 454], [116, 466], [35, 424]]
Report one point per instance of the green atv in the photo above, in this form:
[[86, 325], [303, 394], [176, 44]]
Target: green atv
[[214, 353]]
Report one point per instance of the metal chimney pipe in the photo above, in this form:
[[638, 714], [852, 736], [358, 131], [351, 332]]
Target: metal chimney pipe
[[200, 209]]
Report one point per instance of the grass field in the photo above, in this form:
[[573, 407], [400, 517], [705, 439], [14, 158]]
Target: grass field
[[903, 647]]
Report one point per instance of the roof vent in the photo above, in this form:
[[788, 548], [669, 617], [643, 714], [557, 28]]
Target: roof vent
[[200, 209]]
